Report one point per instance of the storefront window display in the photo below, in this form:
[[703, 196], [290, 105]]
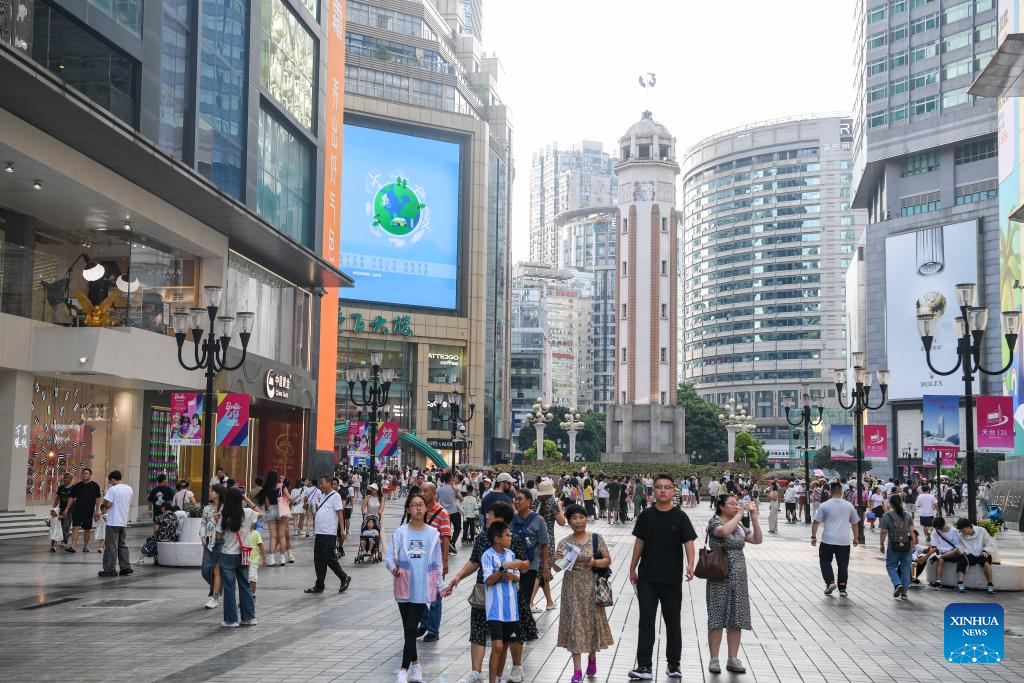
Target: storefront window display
[[445, 364], [70, 430], [354, 352]]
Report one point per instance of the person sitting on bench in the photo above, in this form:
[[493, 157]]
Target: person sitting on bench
[[975, 548]]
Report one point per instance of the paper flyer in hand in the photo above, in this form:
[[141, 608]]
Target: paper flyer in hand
[[568, 559]]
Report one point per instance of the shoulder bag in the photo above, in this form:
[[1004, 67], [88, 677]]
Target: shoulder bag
[[602, 587], [246, 550], [711, 564]]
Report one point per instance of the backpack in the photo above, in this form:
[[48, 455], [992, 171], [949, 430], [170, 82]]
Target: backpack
[[521, 528], [899, 536]]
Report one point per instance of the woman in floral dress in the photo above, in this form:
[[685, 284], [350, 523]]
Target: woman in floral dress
[[729, 599], [582, 625]]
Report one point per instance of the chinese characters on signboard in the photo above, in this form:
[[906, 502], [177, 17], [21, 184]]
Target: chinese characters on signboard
[[400, 325]]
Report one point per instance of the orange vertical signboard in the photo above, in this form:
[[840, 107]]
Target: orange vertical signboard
[[333, 24]]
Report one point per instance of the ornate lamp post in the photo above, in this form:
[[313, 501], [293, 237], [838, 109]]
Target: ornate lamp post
[[908, 453], [374, 384], [211, 335], [538, 417], [735, 420], [859, 402], [806, 422], [450, 410], [970, 326], [573, 423]]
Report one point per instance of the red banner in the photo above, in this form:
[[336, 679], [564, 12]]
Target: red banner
[[876, 442], [995, 423]]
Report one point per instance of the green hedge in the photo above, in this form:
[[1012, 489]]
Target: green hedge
[[618, 469]]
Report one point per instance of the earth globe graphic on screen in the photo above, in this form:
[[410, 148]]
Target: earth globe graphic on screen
[[396, 208]]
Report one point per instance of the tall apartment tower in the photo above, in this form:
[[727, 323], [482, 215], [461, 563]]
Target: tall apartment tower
[[646, 425], [925, 166]]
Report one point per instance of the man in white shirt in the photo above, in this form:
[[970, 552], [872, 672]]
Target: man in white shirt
[[328, 517], [926, 507], [789, 498], [116, 551], [945, 546], [838, 518], [713, 488]]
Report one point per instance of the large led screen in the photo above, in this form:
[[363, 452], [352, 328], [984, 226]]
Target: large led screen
[[922, 269], [400, 218]]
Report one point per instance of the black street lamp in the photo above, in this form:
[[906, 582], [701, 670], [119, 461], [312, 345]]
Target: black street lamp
[[374, 384], [859, 402], [211, 355], [450, 410], [970, 325], [805, 423], [909, 453]]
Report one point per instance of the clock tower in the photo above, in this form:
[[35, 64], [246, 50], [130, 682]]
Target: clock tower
[[645, 425]]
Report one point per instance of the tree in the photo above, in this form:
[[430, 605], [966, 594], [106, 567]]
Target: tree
[[550, 451], [705, 437], [750, 450], [590, 439]]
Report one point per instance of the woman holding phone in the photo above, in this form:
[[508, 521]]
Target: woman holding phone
[[728, 599]]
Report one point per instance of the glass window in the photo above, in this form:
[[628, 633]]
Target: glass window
[[983, 6], [877, 40], [985, 31], [127, 13], [86, 62], [898, 87], [898, 33], [923, 79], [897, 114], [287, 57], [920, 3], [876, 14], [877, 66], [921, 203], [924, 51], [925, 23], [960, 67], [957, 12], [876, 119], [284, 168], [981, 59], [925, 106], [916, 164], [897, 6], [445, 364], [976, 151], [220, 126], [898, 59], [175, 69], [976, 192], [957, 40], [955, 98]]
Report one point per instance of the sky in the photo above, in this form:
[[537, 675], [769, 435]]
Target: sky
[[571, 68]]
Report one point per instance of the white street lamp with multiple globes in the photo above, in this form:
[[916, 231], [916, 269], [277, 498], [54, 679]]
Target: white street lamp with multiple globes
[[735, 420], [572, 424], [539, 416]]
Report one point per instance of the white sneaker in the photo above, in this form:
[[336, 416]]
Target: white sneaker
[[270, 561], [233, 624], [515, 675], [211, 603], [472, 677], [415, 673], [831, 587], [249, 622], [402, 677]]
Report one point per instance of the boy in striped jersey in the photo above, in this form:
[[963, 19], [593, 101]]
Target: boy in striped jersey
[[502, 599]]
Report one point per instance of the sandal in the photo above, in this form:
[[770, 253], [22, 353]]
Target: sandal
[[314, 589]]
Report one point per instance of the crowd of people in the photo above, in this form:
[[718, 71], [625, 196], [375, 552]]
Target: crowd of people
[[508, 522]]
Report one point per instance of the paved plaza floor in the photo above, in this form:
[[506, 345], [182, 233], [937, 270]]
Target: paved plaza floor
[[56, 623]]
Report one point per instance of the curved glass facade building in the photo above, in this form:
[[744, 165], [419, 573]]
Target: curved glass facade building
[[768, 235]]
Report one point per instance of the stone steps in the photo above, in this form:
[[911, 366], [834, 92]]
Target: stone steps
[[21, 525]]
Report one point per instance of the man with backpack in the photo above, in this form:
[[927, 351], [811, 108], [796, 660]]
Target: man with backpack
[[897, 525], [532, 528]]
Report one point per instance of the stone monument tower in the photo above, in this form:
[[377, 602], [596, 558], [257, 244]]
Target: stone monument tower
[[645, 424]]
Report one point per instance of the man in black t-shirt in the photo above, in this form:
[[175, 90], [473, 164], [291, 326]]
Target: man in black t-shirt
[[664, 535], [160, 493], [83, 507], [61, 503]]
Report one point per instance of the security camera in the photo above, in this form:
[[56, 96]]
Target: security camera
[[320, 292]]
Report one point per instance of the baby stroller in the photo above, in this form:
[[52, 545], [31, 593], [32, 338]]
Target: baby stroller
[[369, 542]]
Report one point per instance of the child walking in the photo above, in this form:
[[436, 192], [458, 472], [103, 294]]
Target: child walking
[[101, 525], [502, 595], [470, 510], [56, 529], [255, 541]]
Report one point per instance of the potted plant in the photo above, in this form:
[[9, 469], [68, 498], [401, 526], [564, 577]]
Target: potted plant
[[992, 528]]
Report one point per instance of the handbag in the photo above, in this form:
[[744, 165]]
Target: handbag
[[284, 507], [246, 550], [478, 596], [602, 587], [711, 564]]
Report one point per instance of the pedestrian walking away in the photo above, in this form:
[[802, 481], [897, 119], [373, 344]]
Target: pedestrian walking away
[[838, 520], [897, 527], [328, 516], [663, 553]]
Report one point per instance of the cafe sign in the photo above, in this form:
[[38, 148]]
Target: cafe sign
[[399, 325]]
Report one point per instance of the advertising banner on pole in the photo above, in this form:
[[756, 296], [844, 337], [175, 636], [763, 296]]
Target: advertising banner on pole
[[940, 423], [359, 443], [995, 423], [841, 440], [186, 425], [358, 440], [876, 442], [232, 419]]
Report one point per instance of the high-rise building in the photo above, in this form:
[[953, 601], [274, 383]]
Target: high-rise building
[[151, 150], [768, 234], [588, 244], [925, 171], [434, 278], [564, 180]]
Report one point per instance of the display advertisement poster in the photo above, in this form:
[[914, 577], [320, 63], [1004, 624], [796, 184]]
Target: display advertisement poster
[[921, 270], [994, 423], [400, 217], [358, 440], [232, 419], [940, 423], [359, 443], [876, 442], [186, 425], [841, 440]]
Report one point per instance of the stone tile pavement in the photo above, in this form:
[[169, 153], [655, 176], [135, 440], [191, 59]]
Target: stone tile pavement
[[54, 625]]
